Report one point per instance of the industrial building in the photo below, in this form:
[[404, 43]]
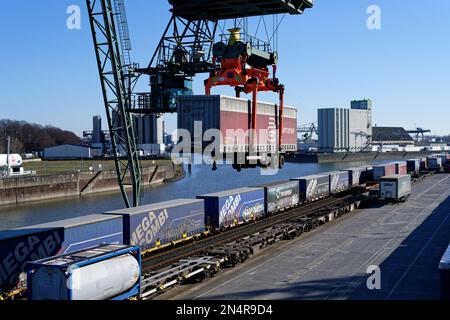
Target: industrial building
[[391, 136], [149, 131], [343, 130], [71, 151]]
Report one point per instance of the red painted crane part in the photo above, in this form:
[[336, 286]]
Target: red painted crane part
[[234, 72]]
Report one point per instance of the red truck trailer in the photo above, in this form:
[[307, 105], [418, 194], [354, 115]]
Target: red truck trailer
[[231, 118]]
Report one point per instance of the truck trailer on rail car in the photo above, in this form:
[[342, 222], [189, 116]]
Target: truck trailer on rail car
[[232, 207], [22, 245], [158, 224], [104, 272]]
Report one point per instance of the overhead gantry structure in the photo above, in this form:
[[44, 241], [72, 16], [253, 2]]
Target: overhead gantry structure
[[185, 50]]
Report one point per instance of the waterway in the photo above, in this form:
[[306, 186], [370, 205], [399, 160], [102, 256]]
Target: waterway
[[200, 180]]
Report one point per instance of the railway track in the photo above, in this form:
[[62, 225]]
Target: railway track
[[199, 247]]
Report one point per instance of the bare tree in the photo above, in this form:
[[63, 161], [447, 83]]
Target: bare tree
[[27, 138]]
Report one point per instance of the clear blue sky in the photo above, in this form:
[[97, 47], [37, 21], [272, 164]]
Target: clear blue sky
[[327, 58]]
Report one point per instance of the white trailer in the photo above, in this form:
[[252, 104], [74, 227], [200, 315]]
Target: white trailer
[[395, 187]]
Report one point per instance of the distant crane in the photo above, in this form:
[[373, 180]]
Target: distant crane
[[419, 133], [308, 130]]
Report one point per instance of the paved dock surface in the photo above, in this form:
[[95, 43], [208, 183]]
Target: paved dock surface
[[406, 241]]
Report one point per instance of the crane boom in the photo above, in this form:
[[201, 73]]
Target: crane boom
[[115, 84]]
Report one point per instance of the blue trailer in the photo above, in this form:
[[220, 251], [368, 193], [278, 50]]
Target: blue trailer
[[313, 187], [232, 207], [19, 246], [161, 223], [339, 181], [413, 166], [434, 163], [281, 195], [105, 272]]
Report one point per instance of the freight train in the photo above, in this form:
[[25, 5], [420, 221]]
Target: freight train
[[159, 225]]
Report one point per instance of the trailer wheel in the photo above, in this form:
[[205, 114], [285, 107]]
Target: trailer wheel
[[275, 163], [282, 161]]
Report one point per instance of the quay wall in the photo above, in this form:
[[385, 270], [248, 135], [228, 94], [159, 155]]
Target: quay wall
[[19, 190]]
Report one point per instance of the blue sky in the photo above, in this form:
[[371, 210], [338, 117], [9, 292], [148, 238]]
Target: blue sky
[[327, 58]]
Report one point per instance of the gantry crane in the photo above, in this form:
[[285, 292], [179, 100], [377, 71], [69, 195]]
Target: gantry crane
[[184, 50], [419, 133], [308, 130]]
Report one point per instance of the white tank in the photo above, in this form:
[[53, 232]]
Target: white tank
[[100, 281], [15, 160], [106, 279]]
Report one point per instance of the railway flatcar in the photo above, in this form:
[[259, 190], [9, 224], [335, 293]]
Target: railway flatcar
[[161, 223], [233, 207], [313, 187], [280, 196], [23, 245]]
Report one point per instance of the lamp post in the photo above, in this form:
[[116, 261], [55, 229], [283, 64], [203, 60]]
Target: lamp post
[[8, 165]]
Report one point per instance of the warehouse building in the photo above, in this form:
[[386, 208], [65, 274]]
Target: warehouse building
[[149, 130], [391, 136], [70, 151], [343, 130]]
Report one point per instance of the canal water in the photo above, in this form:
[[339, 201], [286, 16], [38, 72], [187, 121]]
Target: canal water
[[200, 180]]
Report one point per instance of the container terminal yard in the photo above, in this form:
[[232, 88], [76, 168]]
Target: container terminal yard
[[360, 214]]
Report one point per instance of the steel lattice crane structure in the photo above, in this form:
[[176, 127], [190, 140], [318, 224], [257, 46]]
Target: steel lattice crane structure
[[184, 51], [308, 130], [419, 133], [115, 83]]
